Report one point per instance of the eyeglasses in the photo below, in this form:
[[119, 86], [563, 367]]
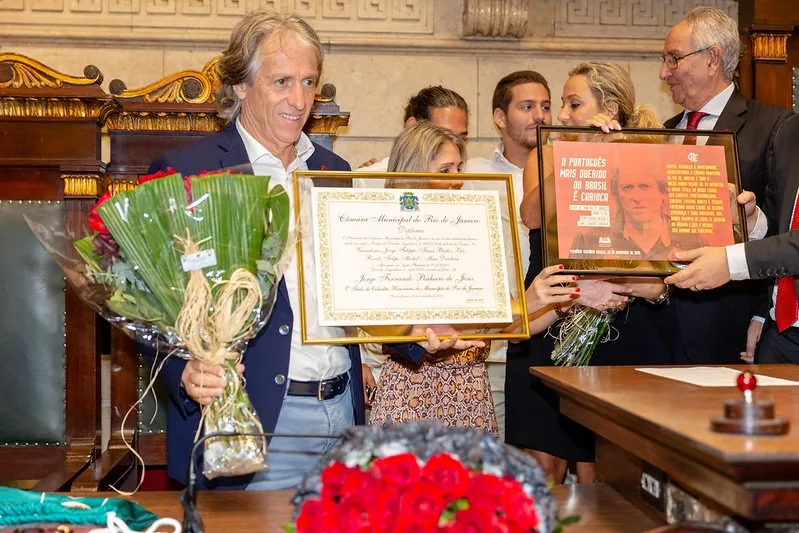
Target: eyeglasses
[[673, 61]]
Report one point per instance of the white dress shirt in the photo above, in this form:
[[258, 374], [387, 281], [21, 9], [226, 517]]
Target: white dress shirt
[[713, 108], [307, 362], [499, 164], [373, 183]]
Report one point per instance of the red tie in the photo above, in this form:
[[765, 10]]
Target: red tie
[[693, 121], [786, 310]]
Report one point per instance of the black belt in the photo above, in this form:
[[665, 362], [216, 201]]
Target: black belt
[[322, 390]]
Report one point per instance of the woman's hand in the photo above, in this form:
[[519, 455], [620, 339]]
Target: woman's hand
[[204, 381], [602, 295], [434, 344], [644, 287], [369, 384], [605, 122], [549, 287]]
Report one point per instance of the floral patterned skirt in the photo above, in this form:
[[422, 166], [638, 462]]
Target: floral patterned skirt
[[455, 391]]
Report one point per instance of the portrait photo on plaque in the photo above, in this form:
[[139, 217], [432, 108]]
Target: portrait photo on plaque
[[380, 253], [625, 202]]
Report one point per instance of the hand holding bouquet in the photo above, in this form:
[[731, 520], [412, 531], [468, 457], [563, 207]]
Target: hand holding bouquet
[[589, 322], [190, 266]]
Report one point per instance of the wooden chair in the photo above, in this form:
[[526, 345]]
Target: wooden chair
[[50, 168]]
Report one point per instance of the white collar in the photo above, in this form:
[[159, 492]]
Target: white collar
[[256, 151], [499, 157], [716, 105]]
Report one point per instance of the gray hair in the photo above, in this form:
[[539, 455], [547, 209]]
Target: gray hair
[[711, 26], [242, 60], [416, 147]]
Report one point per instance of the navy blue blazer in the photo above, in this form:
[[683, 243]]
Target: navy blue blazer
[[267, 358]]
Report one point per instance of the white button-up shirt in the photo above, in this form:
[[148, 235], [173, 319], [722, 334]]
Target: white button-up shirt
[[307, 362], [499, 164]]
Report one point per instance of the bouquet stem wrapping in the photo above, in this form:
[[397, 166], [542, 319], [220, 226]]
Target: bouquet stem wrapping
[[580, 333], [210, 324]]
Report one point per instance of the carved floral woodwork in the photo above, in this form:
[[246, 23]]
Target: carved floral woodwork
[[29, 88]]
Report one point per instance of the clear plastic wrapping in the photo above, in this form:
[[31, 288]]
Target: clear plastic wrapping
[[188, 266]]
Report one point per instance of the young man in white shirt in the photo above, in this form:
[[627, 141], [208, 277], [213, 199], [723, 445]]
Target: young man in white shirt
[[521, 102]]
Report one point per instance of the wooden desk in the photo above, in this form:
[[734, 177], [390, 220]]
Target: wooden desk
[[602, 509], [639, 417]]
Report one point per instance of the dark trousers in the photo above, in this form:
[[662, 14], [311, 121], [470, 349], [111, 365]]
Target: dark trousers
[[776, 347]]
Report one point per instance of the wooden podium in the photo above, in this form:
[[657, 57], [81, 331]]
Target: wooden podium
[[654, 444]]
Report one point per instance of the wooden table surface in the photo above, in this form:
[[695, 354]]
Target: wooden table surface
[[642, 419], [680, 413], [602, 510]]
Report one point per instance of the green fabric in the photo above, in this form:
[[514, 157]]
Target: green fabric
[[24, 507]]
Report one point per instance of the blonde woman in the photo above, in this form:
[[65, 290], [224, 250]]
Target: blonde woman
[[449, 382], [595, 94]]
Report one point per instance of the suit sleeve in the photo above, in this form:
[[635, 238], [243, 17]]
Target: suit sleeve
[[774, 257], [410, 351], [769, 204]]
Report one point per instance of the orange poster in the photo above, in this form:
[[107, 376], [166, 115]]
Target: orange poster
[[640, 201]]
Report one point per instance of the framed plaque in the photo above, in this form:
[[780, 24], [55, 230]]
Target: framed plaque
[[622, 203], [402, 250]]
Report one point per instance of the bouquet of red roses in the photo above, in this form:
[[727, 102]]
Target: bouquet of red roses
[[423, 476], [188, 265], [399, 494]]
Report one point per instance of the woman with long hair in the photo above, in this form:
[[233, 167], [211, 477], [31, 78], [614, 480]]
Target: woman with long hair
[[595, 94], [447, 385]]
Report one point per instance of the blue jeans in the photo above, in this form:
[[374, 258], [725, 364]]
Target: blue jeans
[[303, 414]]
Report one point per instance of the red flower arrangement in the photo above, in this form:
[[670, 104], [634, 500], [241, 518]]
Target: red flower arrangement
[[396, 495]]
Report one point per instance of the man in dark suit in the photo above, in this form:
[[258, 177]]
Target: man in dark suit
[[776, 256], [700, 55], [268, 77]]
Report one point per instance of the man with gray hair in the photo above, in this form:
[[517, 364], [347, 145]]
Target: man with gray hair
[[268, 78], [700, 55]]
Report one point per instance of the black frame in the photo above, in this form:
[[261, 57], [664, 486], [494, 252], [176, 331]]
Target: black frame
[[620, 267]]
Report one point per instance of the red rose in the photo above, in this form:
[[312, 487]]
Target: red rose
[[409, 524], [333, 479], [160, 174], [423, 502], [351, 520], [95, 221], [386, 509], [360, 490], [500, 524], [324, 168], [168, 172], [485, 492], [448, 475], [401, 470], [519, 507], [468, 521], [315, 516]]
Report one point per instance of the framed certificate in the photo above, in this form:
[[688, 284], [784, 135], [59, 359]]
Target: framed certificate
[[390, 252], [622, 203]]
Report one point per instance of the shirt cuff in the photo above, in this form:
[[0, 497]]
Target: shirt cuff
[[736, 261], [758, 319], [761, 226]]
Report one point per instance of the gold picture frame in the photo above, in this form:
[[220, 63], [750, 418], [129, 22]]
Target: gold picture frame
[[308, 271]]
